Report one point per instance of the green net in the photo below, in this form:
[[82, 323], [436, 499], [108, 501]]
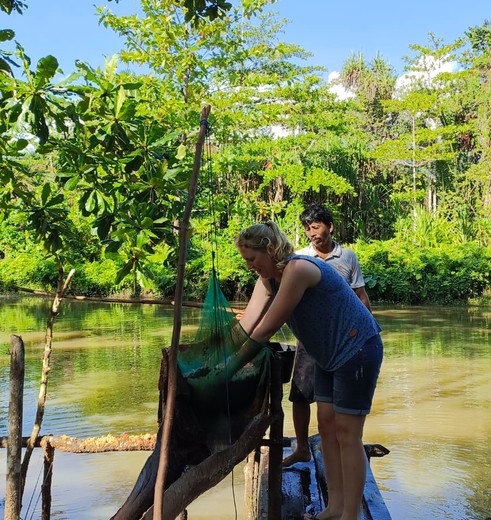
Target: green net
[[226, 371]]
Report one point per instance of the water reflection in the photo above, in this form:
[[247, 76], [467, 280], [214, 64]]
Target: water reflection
[[432, 408]]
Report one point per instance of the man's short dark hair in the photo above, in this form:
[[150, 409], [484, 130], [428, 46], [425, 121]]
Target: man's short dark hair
[[316, 213]]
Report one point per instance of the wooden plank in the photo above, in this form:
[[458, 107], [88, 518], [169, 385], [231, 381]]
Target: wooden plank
[[292, 506], [373, 502], [305, 489], [300, 490], [373, 505]]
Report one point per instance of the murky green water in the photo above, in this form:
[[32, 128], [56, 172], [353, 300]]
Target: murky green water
[[432, 407]]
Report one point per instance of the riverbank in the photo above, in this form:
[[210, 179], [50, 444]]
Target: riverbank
[[149, 298]]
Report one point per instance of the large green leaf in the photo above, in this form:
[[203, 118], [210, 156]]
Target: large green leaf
[[6, 35], [124, 271], [46, 69]]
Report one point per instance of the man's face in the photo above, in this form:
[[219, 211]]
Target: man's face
[[319, 235]]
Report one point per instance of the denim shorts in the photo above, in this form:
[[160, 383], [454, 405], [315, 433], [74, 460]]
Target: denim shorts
[[302, 387], [301, 396], [351, 387]]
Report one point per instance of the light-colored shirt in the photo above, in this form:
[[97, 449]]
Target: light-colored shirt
[[344, 260]]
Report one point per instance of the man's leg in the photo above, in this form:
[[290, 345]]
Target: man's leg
[[301, 396], [301, 421]]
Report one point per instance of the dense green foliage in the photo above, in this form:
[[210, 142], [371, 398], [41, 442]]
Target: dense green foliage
[[94, 168], [402, 273]]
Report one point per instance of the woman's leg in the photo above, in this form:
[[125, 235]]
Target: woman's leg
[[332, 461], [349, 434], [354, 386]]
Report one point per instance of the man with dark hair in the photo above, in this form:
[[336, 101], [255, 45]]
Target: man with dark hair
[[318, 224]]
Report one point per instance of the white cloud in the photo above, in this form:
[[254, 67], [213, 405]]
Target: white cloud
[[338, 89], [429, 69]]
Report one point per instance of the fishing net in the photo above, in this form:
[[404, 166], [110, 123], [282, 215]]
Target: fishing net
[[226, 372]]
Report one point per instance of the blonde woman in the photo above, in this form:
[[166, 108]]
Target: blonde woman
[[340, 334]]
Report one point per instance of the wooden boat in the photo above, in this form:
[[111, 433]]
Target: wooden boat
[[304, 487]]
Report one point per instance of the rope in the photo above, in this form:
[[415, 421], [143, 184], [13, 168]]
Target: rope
[[39, 494], [215, 274], [33, 493]]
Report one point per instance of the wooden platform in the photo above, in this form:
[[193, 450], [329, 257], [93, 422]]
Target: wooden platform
[[304, 489]]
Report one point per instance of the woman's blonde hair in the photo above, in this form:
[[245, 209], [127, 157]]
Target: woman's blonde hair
[[260, 236]]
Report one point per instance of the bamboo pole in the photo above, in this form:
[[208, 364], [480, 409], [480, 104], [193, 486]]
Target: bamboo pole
[[13, 491], [176, 332]]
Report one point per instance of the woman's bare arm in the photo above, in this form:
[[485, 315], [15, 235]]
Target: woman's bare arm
[[298, 276], [270, 314], [259, 303]]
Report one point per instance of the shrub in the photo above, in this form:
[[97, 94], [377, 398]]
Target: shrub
[[405, 273], [28, 269], [97, 279]]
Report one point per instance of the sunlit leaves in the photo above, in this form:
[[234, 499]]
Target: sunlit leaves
[[6, 35], [31, 103], [124, 169], [48, 220]]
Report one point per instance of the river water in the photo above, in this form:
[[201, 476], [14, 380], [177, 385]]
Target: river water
[[432, 407]]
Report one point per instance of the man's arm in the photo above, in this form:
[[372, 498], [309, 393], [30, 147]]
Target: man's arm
[[362, 294], [357, 279]]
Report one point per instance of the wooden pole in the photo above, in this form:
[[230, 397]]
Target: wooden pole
[[252, 484], [176, 332], [13, 492], [276, 441], [49, 456]]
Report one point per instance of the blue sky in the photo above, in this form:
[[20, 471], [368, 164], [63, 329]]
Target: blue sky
[[330, 30]]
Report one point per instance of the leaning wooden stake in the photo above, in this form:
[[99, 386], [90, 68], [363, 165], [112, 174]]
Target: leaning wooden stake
[[176, 333], [13, 491], [276, 441], [45, 371]]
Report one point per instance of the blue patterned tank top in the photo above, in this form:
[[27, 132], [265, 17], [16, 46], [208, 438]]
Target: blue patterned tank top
[[330, 320]]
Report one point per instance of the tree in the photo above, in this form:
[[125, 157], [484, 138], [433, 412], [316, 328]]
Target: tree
[[424, 138], [372, 83], [124, 168], [478, 61]]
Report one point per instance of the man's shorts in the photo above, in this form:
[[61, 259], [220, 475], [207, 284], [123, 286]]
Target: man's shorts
[[351, 387], [302, 387]]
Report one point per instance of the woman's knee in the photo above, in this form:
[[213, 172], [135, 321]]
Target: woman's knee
[[326, 419], [349, 428]]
